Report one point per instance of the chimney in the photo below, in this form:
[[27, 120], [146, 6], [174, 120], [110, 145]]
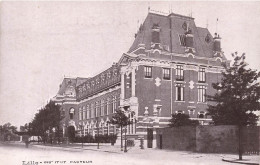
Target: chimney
[[217, 43]]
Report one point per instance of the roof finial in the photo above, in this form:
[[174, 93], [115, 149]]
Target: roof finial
[[207, 24], [148, 7]]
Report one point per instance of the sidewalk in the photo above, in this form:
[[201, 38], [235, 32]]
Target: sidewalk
[[157, 153], [94, 147], [247, 159]]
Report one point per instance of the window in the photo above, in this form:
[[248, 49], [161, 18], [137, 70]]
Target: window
[[96, 109], [166, 74], [179, 92], [179, 73], [62, 112], [114, 104], [201, 94], [182, 39], [108, 105], [179, 112], [201, 114], [148, 72], [80, 114], [92, 110], [84, 112], [88, 114], [155, 37], [72, 111], [202, 75], [102, 107]]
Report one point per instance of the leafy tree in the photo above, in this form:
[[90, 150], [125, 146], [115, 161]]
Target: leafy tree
[[7, 127], [47, 118], [121, 120], [179, 119], [237, 96]]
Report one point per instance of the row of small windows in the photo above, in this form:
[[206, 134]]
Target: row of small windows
[[179, 73], [98, 108], [191, 112], [180, 93]]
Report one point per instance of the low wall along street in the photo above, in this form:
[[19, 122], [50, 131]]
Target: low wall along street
[[208, 139]]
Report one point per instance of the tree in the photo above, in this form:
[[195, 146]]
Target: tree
[[47, 118], [179, 119], [121, 120], [7, 130], [237, 96]]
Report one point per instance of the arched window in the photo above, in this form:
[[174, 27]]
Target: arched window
[[201, 114], [72, 112]]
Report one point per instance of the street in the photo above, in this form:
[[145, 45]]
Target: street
[[17, 154]]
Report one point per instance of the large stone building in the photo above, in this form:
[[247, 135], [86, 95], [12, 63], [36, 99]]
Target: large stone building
[[168, 69]]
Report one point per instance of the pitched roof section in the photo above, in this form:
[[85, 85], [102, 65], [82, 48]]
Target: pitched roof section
[[171, 27]]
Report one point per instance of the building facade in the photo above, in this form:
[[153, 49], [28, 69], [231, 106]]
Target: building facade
[[168, 69]]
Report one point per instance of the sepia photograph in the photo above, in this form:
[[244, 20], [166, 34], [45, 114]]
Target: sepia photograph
[[129, 82]]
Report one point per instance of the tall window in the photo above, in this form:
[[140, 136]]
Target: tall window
[[148, 72], [92, 109], [202, 75], [80, 113], [179, 73], [108, 105], [72, 111], [102, 108], [179, 92], [84, 113], [96, 109], [201, 93], [105, 107], [166, 74], [114, 104], [88, 112]]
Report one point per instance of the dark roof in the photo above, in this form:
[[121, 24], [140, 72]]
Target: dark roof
[[171, 26]]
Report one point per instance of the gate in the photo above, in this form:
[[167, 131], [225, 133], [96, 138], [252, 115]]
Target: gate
[[149, 138]]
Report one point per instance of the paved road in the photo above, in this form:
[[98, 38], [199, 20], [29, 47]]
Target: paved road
[[17, 154]]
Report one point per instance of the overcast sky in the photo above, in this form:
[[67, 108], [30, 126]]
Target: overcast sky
[[43, 41]]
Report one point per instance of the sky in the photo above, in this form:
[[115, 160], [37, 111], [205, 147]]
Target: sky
[[41, 42]]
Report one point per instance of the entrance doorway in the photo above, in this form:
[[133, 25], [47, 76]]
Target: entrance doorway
[[149, 138]]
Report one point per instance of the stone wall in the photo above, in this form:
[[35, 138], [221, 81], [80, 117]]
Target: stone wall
[[209, 139], [181, 138]]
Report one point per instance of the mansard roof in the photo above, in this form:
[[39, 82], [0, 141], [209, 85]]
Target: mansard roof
[[103, 81], [68, 87], [170, 27]]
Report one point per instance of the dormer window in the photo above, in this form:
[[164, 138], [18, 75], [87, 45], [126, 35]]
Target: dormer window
[[155, 34], [207, 38], [184, 26], [182, 39]]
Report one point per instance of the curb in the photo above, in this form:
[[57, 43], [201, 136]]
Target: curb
[[232, 161], [77, 148]]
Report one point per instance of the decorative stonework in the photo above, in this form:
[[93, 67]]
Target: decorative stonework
[[157, 81], [191, 84]]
